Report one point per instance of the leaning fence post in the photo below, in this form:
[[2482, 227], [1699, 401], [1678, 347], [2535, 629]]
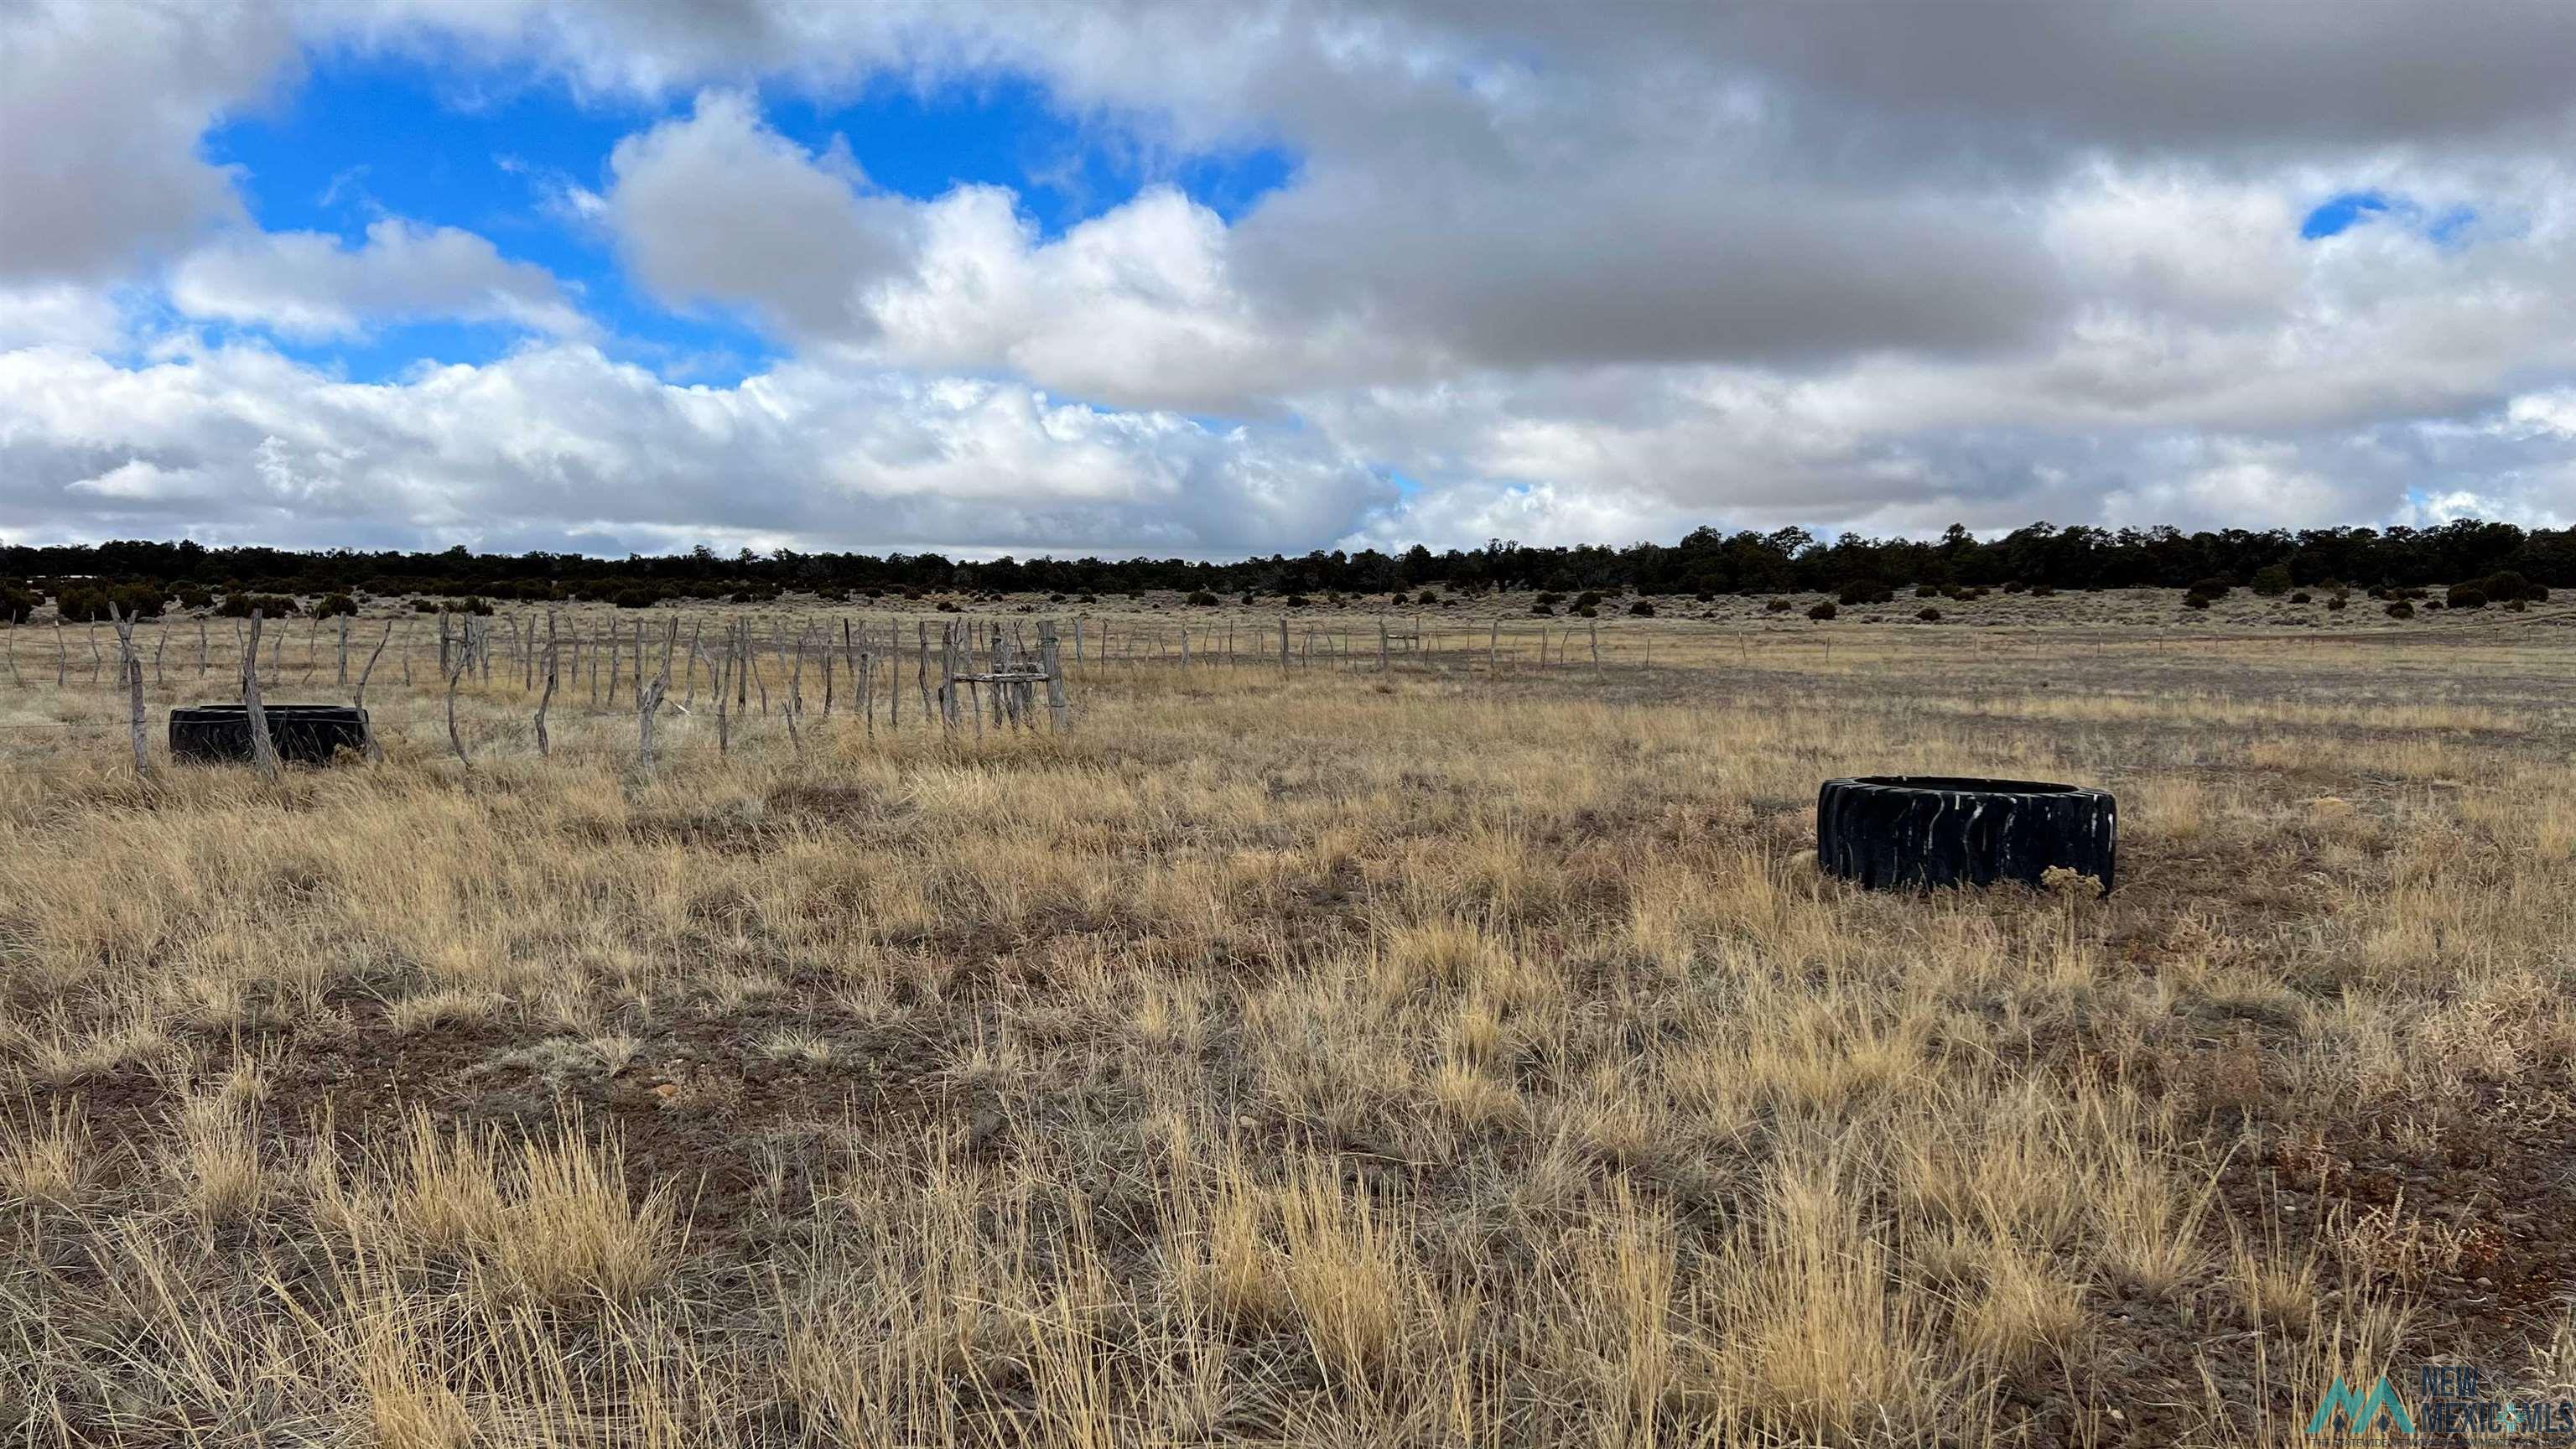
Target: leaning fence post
[[130, 664], [263, 750], [718, 667], [545, 746], [461, 660], [375, 750]]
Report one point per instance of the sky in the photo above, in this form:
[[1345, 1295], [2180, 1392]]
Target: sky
[[1179, 278]]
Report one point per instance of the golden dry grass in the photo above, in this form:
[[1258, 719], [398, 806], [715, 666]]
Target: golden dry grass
[[1443, 1056]]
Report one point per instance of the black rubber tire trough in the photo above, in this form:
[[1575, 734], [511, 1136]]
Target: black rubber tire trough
[[305, 734], [1894, 831]]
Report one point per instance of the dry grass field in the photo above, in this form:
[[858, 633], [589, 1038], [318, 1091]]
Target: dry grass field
[[1443, 1055]]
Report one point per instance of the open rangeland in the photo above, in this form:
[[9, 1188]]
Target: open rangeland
[[1435, 1048]]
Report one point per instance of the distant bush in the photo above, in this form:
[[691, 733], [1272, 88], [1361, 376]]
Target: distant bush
[[1642, 609], [2301, 597], [2043, 591], [2465, 596], [2508, 587], [1202, 599], [1775, 606], [1705, 597], [1297, 601], [1426, 597], [2401, 610], [79, 603], [2195, 601], [2337, 603], [1927, 591], [1588, 611], [2216, 588], [2271, 581], [1587, 598], [1821, 612], [424, 606], [270, 606], [334, 606], [196, 596], [1551, 597], [1864, 591], [1928, 616], [637, 598], [87, 603], [1543, 609], [16, 604]]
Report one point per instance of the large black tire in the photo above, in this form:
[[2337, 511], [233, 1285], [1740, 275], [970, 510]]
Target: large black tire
[[306, 734], [1893, 831]]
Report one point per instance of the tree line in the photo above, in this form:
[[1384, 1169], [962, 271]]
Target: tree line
[[1706, 561]]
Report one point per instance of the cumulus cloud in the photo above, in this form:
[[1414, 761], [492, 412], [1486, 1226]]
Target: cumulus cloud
[[1575, 272], [100, 115], [308, 284], [717, 208], [559, 441]]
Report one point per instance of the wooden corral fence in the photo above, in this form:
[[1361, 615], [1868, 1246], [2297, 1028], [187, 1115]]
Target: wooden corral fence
[[958, 673]]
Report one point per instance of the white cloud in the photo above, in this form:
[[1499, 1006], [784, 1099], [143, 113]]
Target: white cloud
[[59, 314], [102, 103], [1577, 272], [558, 440], [308, 284], [718, 208]]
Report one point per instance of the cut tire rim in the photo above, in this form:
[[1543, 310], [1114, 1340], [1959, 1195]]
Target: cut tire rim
[[1895, 831]]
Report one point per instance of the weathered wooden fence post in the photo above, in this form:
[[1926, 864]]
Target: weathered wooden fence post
[[375, 749], [545, 746], [645, 708], [718, 668], [263, 750], [460, 660], [129, 664], [1059, 709]]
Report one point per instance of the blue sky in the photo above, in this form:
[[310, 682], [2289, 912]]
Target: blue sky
[[2345, 210], [1142, 277], [364, 136]]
